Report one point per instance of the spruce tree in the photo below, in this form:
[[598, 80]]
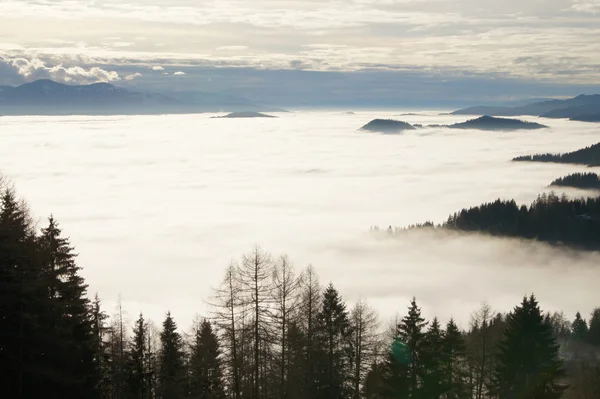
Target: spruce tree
[[24, 308], [433, 348], [594, 330], [528, 364], [334, 374], [579, 328], [205, 373], [410, 332], [138, 376], [73, 337], [172, 366], [453, 363], [404, 369]]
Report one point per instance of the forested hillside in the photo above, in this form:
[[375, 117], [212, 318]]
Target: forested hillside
[[551, 219], [273, 332]]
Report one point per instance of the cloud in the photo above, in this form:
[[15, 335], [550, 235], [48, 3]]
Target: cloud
[[232, 48], [589, 6], [158, 68], [133, 76], [34, 69], [179, 73]]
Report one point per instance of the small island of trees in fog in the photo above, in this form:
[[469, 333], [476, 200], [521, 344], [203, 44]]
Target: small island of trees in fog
[[578, 180]]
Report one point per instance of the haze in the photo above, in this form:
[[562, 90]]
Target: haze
[[158, 206]]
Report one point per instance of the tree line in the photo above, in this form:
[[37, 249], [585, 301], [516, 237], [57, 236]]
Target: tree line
[[586, 156], [578, 180], [550, 218], [271, 332]]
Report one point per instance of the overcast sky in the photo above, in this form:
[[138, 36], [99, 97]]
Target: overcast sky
[[476, 49]]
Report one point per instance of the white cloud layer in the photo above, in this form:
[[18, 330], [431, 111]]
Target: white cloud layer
[[550, 40], [133, 76], [33, 69]]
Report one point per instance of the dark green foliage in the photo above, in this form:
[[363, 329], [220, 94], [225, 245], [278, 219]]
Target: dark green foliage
[[528, 363], [594, 328], [433, 359], [172, 362], [578, 180], [373, 386], [205, 369], [403, 380], [453, 363], [46, 338], [491, 123], [139, 374], [587, 156], [579, 328], [552, 219], [387, 126], [334, 337]]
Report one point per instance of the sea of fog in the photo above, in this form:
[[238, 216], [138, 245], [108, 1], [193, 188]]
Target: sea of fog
[[158, 206]]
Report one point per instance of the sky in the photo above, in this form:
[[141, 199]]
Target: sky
[[374, 51]]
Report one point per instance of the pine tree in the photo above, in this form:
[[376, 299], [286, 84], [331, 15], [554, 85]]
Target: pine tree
[[579, 328], [433, 373], [24, 307], [410, 332], [138, 376], [73, 336], [528, 364], [334, 372], [594, 330], [453, 363], [172, 366], [206, 375]]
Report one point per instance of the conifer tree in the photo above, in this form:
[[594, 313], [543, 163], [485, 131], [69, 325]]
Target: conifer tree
[[172, 362], [138, 375], [410, 332], [594, 330], [67, 293], [23, 305], [528, 363], [205, 374], [579, 328], [334, 372], [453, 363], [433, 348]]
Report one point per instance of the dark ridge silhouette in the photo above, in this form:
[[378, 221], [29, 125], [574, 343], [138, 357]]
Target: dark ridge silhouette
[[589, 156], [578, 180], [573, 112], [387, 126], [551, 109], [47, 97], [245, 114], [551, 219], [586, 118], [490, 123]]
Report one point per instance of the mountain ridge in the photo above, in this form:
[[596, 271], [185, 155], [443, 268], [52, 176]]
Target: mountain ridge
[[569, 108], [48, 97]]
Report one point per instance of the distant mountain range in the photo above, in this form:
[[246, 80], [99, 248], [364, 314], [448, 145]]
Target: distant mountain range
[[46, 97], [583, 108]]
